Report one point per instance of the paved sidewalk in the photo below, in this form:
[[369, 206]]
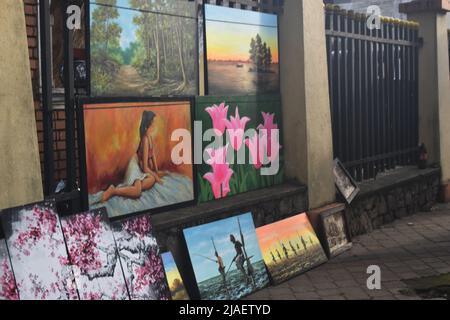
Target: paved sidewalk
[[413, 247]]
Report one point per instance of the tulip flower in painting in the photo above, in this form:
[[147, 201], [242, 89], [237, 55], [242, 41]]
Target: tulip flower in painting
[[236, 129], [221, 173], [268, 126], [256, 145], [219, 114]]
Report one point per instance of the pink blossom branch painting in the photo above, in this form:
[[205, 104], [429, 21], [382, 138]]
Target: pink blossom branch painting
[[8, 288], [38, 254], [94, 256], [141, 261]]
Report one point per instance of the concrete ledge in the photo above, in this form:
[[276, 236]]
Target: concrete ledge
[[394, 195], [394, 179], [214, 210]]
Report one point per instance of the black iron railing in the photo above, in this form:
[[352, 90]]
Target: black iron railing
[[373, 91]]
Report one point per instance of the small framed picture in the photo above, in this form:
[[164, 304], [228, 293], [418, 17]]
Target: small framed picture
[[344, 182], [335, 233]]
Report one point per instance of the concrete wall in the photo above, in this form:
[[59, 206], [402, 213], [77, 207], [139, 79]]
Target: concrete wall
[[305, 98], [19, 155], [434, 89]]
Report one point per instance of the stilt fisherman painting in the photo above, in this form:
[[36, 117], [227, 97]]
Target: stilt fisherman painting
[[227, 261]]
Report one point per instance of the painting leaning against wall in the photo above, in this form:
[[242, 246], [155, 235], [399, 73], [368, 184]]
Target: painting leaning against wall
[[226, 258], [141, 261], [241, 125], [290, 247], [142, 48], [94, 257], [128, 155], [241, 51], [8, 288], [38, 253], [174, 279]]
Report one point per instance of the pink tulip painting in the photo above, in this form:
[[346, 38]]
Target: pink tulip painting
[[221, 173], [269, 125], [218, 114], [236, 129]]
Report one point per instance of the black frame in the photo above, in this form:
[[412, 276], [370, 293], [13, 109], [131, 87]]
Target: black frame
[[338, 163], [323, 233], [205, 49], [88, 53], [82, 151]]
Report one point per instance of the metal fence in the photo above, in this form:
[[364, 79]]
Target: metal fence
[[373, 91]]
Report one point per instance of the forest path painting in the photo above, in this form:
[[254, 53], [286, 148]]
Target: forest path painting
[[140, 48]]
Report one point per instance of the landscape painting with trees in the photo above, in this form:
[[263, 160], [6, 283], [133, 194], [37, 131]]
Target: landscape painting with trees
[[242, 51], [143, 47]]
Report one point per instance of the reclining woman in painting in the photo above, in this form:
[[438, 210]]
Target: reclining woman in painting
[[142, 172]]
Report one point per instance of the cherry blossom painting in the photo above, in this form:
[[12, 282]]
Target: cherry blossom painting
[[247, 152], [94, 256], [141, 261], [38, 253], [8, 288]]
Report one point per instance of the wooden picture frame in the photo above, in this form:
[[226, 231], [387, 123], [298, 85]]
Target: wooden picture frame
[[340, 230], [82, 101], [344, 182]]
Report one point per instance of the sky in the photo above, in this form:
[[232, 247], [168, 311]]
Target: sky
[[289, 229], [199, 241], [229, 32]]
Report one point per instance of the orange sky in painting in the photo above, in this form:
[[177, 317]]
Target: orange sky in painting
[[269, 236], [112, 138], [231, 42]]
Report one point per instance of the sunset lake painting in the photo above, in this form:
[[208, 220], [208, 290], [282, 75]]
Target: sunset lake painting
[[242, 51]]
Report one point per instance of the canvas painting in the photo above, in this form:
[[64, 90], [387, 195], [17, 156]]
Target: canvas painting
[[140, 258], [38, 253], [246, 152], [226, 258], [290, 247], [8, 288], [173, 276], [143, 48], [241, 51], [344, 182], [94, 257], [335, 231], [128, 156]]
